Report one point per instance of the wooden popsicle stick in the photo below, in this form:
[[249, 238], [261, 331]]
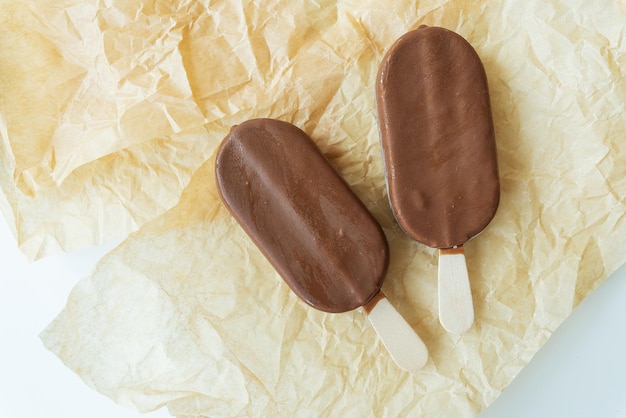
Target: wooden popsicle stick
[[456, 308], [404, 345]]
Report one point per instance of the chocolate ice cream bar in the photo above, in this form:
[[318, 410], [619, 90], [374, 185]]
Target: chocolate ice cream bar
[[312, 228], [439, 151]]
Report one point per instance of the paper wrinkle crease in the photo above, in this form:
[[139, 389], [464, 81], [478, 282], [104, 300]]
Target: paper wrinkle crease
[[110, 113]]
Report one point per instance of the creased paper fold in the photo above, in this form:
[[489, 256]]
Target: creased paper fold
[[110, 112]]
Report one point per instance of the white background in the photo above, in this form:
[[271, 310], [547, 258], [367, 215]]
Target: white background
[[580, 372]]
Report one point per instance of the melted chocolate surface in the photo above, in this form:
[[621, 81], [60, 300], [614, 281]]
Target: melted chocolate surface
[[302, 215], [437, 137]]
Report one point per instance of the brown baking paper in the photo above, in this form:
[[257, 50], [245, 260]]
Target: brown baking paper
[[99, 131], [187, 314]]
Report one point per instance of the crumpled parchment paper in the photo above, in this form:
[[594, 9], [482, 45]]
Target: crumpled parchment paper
[[186, 313]]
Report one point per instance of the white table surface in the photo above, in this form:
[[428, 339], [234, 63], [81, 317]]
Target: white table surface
[[580, 372]]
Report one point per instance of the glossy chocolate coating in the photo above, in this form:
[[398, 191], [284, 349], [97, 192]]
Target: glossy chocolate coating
[[437, 137], [302, 215]]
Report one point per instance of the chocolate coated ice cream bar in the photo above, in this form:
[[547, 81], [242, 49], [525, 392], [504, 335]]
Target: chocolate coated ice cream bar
[[439, 152], [312, 228]]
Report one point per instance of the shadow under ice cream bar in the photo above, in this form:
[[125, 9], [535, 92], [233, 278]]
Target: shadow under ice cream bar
[[439, 151], [313, 229]]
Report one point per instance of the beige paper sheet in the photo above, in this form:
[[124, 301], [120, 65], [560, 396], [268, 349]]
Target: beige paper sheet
[[186, 313], [99, 131]]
